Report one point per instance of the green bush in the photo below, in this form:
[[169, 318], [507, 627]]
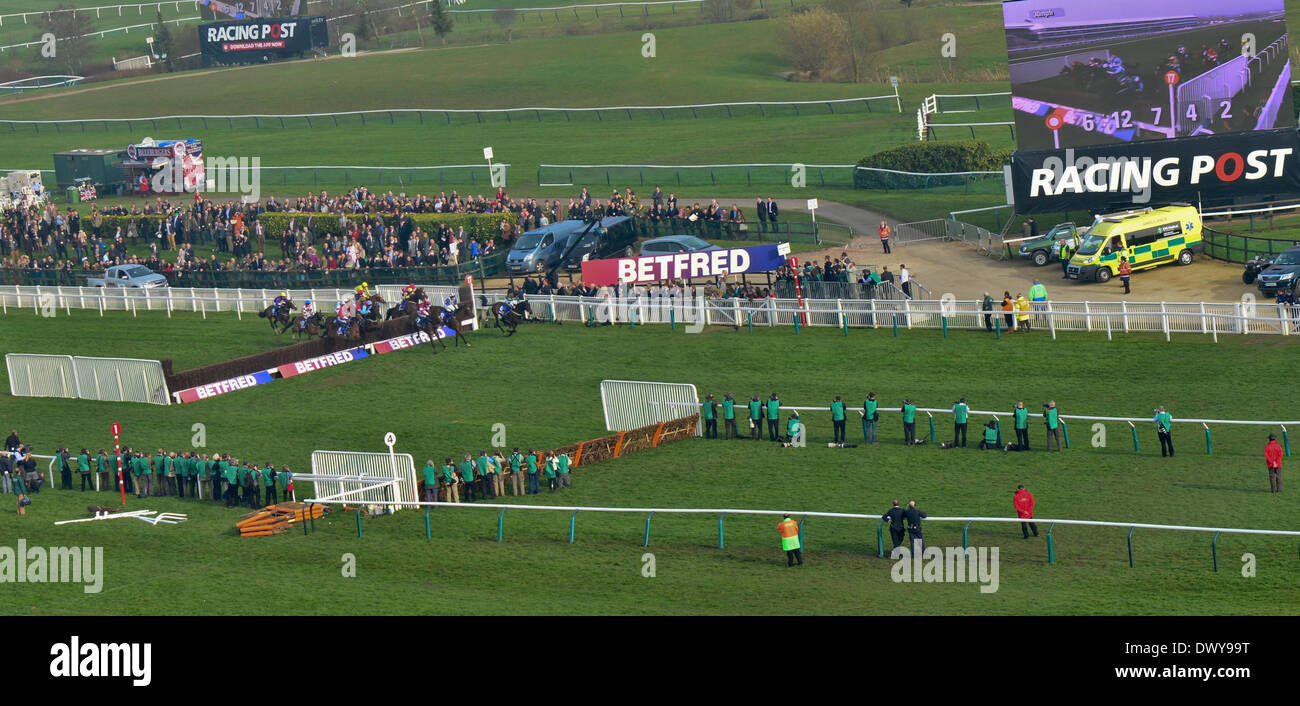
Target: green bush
[[929, 158]]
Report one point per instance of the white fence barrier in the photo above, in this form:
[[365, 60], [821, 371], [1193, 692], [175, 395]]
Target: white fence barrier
[[382, 466], [630, 404], [104, 379]]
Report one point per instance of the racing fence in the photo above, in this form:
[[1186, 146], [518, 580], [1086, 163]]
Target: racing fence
[[1240, 248], [451, 116], [649, 307], [753, 174], [936, 104], [103, 379]]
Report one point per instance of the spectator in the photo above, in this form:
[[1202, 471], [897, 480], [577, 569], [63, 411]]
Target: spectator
[[987, 306], [897, 525], [11, 442], [1273, 459], [1024, 502], [885, 233], [905, 279], [1008, 307], [914, 515]]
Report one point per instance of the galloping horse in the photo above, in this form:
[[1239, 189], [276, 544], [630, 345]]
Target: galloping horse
[[284, 318], [332, 328], [313, 326], [504, 313], [407, 306], [430, 326]]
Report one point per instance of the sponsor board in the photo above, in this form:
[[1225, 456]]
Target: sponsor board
[[684, 265], [241, 382]]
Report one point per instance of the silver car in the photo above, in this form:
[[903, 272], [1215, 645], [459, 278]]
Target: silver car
[[133, 276]]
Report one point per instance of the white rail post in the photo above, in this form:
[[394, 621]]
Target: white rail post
[[1214, 328], [1164, 321], [36, 301], [100, 299], [239, 304], [217, 299], [148, 301], [1123, 308], [169, 302], [1051, 320], [1203, 329]]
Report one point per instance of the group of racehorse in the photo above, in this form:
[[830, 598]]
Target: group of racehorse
[[507, 315]]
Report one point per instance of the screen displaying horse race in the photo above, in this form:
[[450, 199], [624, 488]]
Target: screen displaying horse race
[[1096, 72]]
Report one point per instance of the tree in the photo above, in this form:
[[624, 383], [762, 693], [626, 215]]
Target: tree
[[504, 17], [440, 20], [163, 45], [814, 41], [72, 49], [724, 10]]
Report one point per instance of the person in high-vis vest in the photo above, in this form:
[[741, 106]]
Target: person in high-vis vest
[[450, 486], [709, 413], [1022, 313], [1165, 430], [773, 418], [1052, 420], [467, 477], [1021, 416], [869, 418], [792, 429], [755, 419], [990, 441], [1066, 253], [837, 418], [1038, 295], [909, 422], [789, 530], [960, 411], [729, 416]]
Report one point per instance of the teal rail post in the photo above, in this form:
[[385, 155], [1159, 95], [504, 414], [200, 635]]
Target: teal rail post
[[965, 535], [428, 528], [796, 325], [1065, 430], [1051, 548], [997, 327], [312, 517], [672, 320], [844, 322], [1214, 551], [895, 325], [591, 316], [880, 539], [801, 539], [720, 518], [1286, 443], [501, 524], [304, 523], [358, 524], [1209, 450], [931, 416], [573, 520], [750, 316], [1130, 546], [647, 529], [1135, 437], [945, 326]]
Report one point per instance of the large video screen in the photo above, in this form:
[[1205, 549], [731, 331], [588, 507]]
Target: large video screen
[[1097, 72]]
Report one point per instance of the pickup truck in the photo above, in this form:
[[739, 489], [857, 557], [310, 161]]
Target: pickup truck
[[1047, 248], [136, 276]]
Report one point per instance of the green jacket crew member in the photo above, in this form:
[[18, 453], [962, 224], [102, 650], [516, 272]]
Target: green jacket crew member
[[268, 482], [909, 422], [773, 418], [869, 418], [516, 472], [83, 467], [534, 486], [143, 479], [729, 416], [990, 436], [1021, 423], [987, 307], [159, 474], [221, 477], [467, 475], [789, 531], [708, 412], [486, 481], [755, 419], [959, 413], [550, 468], [230, 474], [565, 480], [449, 479], [792, 427], [101, 467], [837, 419], [1051, 419], [1164, 428]]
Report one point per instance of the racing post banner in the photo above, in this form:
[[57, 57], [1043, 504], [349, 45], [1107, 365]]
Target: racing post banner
[[252, 39], [1247, 165], [685, 265]]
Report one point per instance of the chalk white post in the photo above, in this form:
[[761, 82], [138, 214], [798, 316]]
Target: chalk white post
[[389, 439], [1203, 328], [1051, 320]]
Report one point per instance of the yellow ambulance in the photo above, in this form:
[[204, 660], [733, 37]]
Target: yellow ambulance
[[1148, 237]]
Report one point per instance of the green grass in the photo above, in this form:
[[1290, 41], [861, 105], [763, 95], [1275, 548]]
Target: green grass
[[446, 405]]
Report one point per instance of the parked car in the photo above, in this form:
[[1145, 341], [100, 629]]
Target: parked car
[[612, 237], [1282, 274], [544, 246], [136, 276], [1047, 248], [670, 244]]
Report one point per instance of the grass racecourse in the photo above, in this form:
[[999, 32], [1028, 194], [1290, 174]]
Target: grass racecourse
[[542, 385]]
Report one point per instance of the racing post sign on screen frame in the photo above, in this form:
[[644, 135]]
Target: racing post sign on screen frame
[[1101, 80], [261, 39]]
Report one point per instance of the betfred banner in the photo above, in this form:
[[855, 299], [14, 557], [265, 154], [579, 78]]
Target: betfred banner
[[684, 265], [1250, 165], [242, 382], [323, 361]]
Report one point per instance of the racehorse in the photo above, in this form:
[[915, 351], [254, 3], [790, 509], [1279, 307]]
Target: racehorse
[[407, 306], [504, 313], [332, 328], [312, 326], [284, 318], [430, 326]]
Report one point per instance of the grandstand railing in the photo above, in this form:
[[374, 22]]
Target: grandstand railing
[[749, 174], [436, 116]]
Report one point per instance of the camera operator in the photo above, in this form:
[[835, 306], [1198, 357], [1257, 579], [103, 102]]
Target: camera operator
[[1021, 417], [1164, 429], [1052, 421], [990, 442]]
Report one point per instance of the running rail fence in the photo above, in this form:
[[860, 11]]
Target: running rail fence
[[1168, 318], [803, 516]]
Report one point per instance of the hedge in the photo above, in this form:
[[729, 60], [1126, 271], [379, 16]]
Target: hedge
[[929, 158], [477, 225]]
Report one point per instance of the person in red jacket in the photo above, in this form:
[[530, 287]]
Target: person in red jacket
[[1273, 457], [1024, 502]]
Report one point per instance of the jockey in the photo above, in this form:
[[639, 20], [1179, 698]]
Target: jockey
[[448, 308], [421, 313], [281, 303], [408, 291], [345, 311], [362, 291], [307, 314]]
